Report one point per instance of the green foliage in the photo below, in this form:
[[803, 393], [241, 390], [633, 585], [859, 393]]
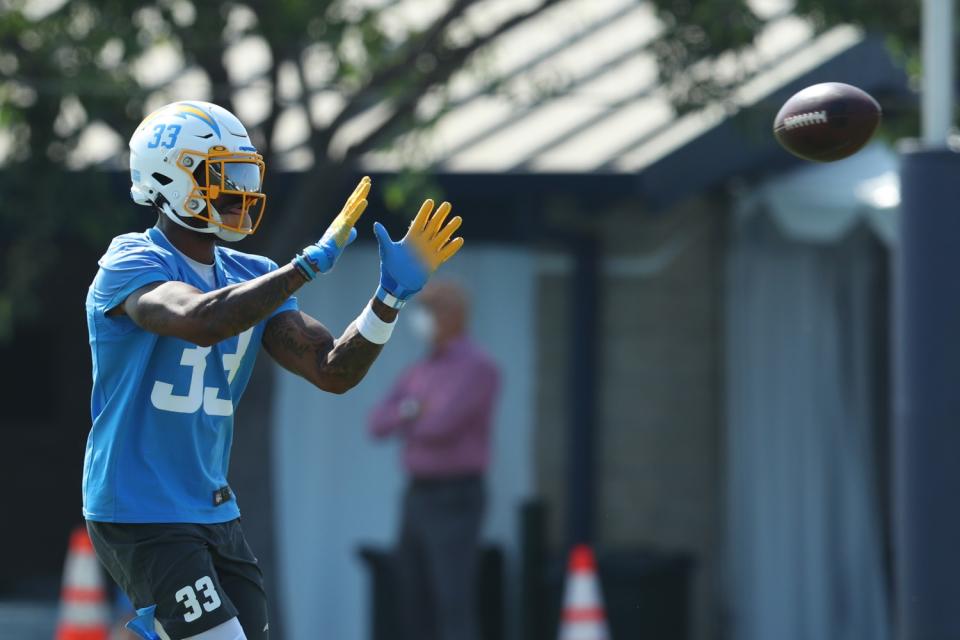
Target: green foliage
[[898, 18], [83, 62], [404, 192], [58, 73], [87, 62], [698, 33], [695, 31]]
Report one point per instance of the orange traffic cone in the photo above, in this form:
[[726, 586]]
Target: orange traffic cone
[[583, 615], [84, 613]]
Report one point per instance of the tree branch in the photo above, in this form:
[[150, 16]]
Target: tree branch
[[452, 60], [203, 42], [403, 62], [269, 125], [316, 188]]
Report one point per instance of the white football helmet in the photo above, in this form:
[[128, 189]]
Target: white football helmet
[[194, 161]]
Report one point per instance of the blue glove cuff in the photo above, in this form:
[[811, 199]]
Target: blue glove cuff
[[323, 257], [401, 272], [304, 267], [389, 299]]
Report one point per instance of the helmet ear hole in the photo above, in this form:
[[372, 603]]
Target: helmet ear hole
[[161, 178], [200, 173]]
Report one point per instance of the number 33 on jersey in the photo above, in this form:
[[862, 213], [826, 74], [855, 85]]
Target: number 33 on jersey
[[195, 358]]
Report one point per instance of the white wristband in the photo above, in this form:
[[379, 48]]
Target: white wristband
[[372, 327]]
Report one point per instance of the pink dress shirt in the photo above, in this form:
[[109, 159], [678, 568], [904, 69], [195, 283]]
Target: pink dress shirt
[[451, 396]]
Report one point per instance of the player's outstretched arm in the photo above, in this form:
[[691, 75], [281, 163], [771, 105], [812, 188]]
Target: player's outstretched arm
[[302, 345], [178, 309]]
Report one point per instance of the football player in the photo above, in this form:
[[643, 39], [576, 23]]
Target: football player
[[175, 321]]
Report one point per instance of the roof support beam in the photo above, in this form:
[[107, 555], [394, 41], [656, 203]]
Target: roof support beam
[[937, 110]]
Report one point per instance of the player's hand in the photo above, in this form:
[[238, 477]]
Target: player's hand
[[324, 253], [406, 266]]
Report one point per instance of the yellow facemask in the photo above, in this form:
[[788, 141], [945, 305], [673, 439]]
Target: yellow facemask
[[224, 174]]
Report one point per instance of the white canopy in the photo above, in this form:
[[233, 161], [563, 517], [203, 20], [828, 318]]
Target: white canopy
[[821, 203]]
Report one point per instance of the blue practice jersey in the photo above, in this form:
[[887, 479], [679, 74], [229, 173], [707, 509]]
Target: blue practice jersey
[[162, 407]]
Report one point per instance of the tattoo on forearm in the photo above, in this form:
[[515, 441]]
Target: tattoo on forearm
[[288, 332], [303, 345], [239, 307], [156, 319], [351, 357]]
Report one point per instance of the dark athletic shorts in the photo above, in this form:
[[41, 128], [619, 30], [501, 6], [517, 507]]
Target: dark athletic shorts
[[198, 575]]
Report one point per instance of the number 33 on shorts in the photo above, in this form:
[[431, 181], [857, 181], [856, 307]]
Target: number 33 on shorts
[[188, 596]]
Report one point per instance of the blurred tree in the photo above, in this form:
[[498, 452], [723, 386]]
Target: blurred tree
[[697, 33], [55, 71], [352, 75], [73, 71]]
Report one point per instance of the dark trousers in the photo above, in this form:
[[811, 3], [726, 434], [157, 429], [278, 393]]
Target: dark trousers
[[198, 575], [437, 558]]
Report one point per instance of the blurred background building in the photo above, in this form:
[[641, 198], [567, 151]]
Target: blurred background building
[[691, 324]]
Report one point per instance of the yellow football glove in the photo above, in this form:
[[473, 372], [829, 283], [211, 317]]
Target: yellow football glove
[[354, 207], [322, 255], [431, 237]]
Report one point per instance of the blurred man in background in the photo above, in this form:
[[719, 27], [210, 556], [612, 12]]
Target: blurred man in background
[[442, 407]]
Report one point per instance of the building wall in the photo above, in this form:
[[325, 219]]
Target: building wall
[[552, 405], [336, 489], [659, 472]]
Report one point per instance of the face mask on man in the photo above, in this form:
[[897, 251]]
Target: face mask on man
[[422, 323]]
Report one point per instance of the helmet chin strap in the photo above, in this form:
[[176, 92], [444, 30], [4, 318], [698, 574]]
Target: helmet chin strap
[[224, 234], [217, 230], [229, 236]]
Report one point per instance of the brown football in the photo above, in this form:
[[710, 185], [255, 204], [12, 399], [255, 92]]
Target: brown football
[[827, 121]]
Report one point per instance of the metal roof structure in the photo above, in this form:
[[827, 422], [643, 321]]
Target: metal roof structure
[[568, 100], [577, 92]]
